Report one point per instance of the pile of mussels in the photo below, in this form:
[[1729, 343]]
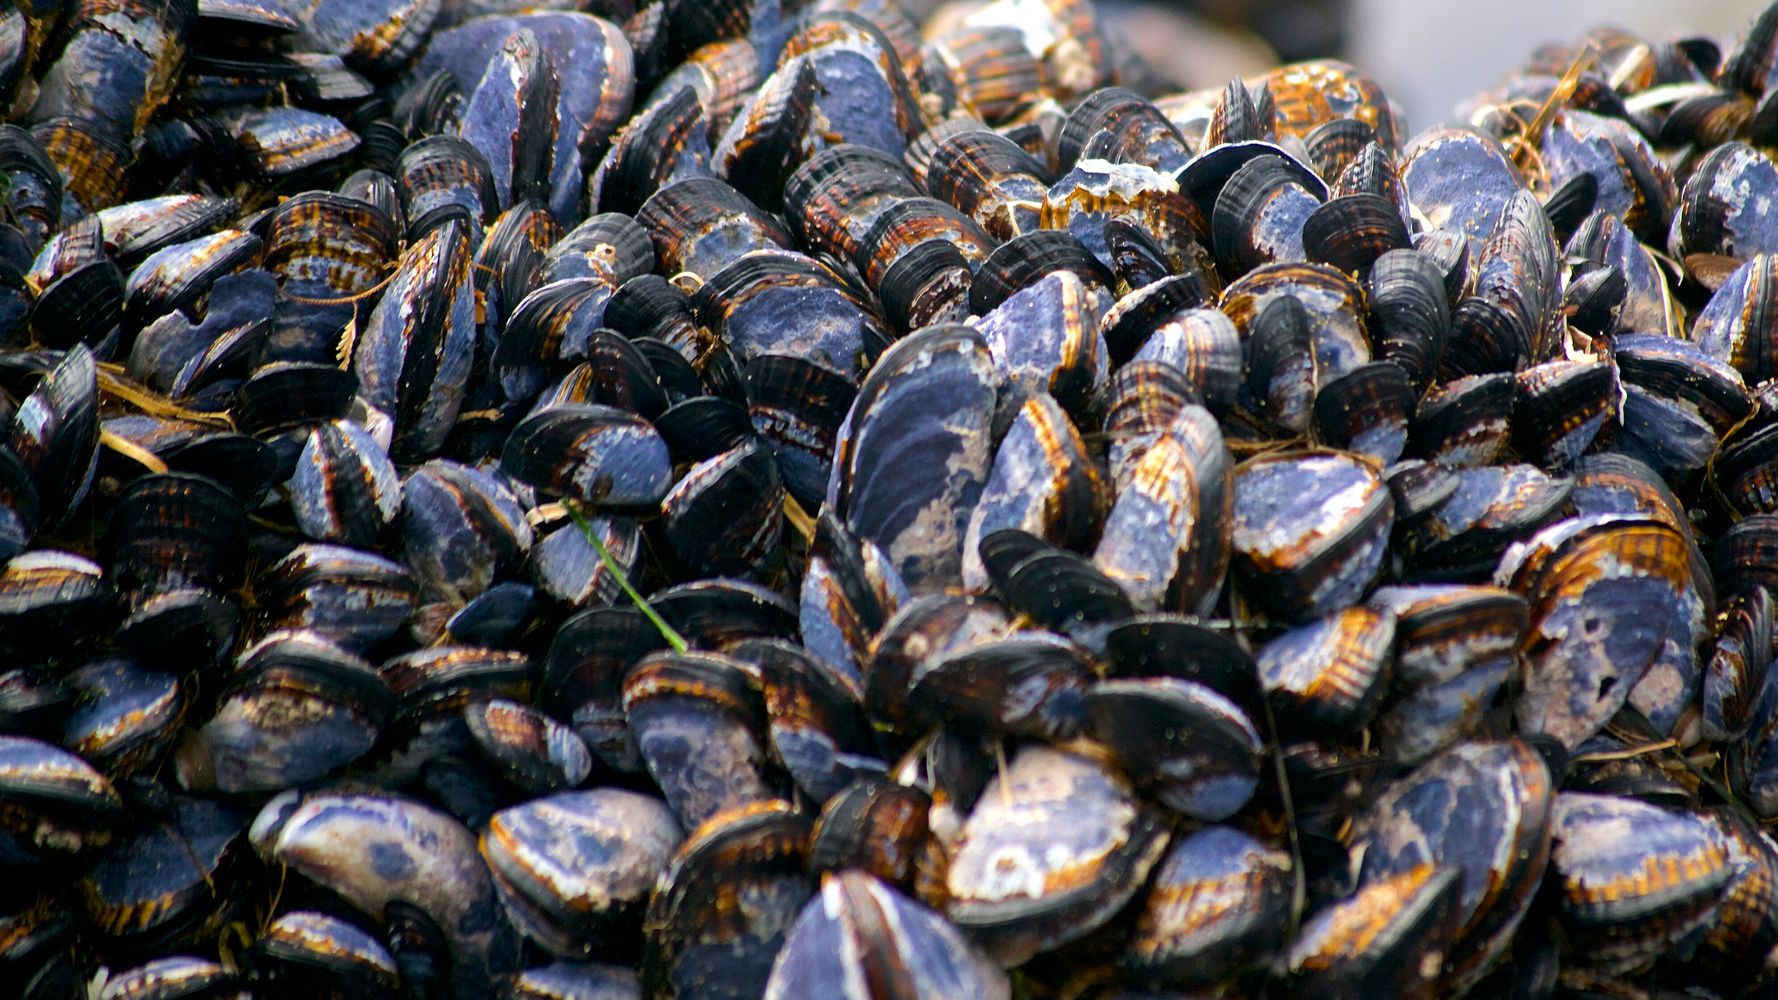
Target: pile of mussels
[[769, 501]]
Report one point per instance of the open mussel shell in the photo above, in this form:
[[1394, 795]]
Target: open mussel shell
[[1086, 844], [1214, 908], [1492, 824], [857, 929], [575, 869], [1310, 532], [695, 941]]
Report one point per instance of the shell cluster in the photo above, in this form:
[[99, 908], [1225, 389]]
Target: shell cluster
[[735, 499]]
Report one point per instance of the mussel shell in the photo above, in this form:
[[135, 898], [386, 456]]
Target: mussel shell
[[1079, 844], [575, 867], [696, 942], [858, 930], [1309, 532], [597, 454], [1487, 815], [913, 455], [1214, 907]]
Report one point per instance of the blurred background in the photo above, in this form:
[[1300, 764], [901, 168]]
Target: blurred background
[[1429, 55]]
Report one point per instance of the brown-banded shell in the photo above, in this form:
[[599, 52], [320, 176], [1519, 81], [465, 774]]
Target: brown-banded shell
[[1309, 532], [1054, 847]]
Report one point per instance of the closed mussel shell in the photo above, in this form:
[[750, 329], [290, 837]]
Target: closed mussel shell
[[575, 869], [353, 597], [1329, 675], [1409, 314], [532, 751], [597, 454], [1194, 748], [313, 954], [874, 825], [1215, 906], [1636, 880], [48, 596], [696, 942], [1043, 481], [177, 976], [814, 715], [171, 882], [124, 715], [1079, 843], [1387, 939], [302, 708], [378, 850], [1487, 816], [55, 434], [461, 528], [1029, 685], [699, 726], [1162, 541], [914, 453], [345, 488], [1606, 591], [858, 930], [724, 516], [52, 801], [1309, 532], [1366, 410], [1464, 422], [1561, 408]]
